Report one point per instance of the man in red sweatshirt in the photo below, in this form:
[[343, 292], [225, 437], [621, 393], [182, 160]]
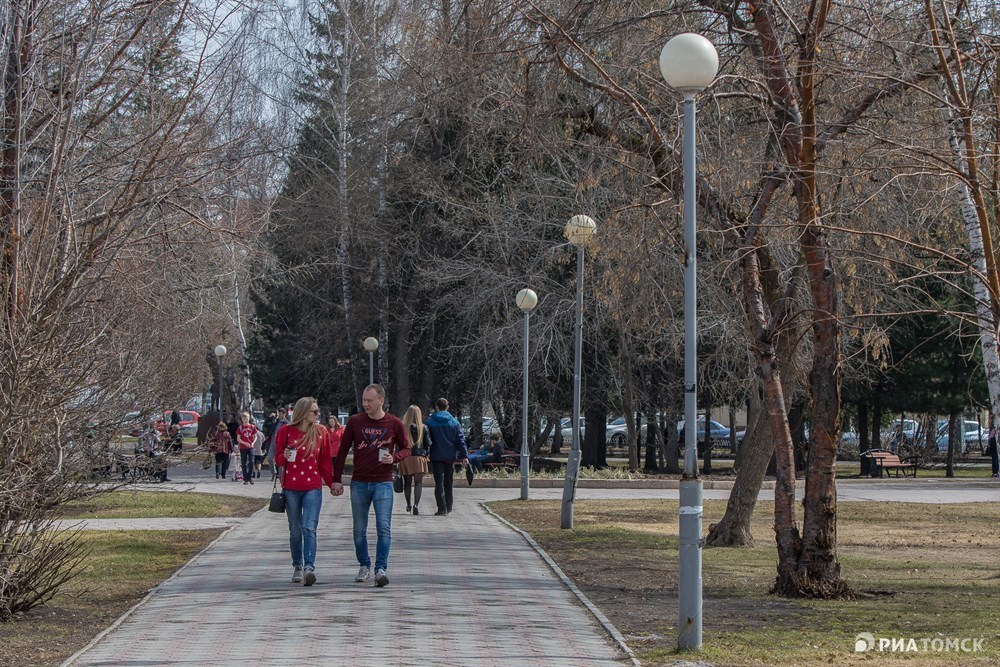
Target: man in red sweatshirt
[[378, 441]]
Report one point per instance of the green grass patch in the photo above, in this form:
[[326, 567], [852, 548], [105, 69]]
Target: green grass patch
[[160, 504], [120, 570], [920, 571]]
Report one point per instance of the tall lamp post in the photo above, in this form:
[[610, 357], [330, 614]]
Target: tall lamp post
[[371, 344], [688, 63], [578, 231], [220, 351], [526, 300]]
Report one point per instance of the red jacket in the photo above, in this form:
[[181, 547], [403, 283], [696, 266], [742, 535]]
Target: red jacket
[[305, 473], [221, 443], [366, 436]]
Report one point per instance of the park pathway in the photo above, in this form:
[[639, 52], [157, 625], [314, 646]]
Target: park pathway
[[464, 590]]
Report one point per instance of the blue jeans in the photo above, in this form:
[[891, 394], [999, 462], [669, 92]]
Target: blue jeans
[[478, 460], [363, 496], [302, 508], [246, 464]]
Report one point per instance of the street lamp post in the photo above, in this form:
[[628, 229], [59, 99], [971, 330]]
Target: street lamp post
[[688, 63], [526, 300], [371, 344], [220, 351], [578, 231]]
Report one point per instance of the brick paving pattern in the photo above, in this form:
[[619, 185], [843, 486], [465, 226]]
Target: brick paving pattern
[[449, 602]]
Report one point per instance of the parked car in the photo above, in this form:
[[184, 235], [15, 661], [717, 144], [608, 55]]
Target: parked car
[[490, 426], [566, 428], [972, 435], [617, 432], [188, 424], [716, 430]]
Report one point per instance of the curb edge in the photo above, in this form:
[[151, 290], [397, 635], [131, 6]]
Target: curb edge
[[603, 620]]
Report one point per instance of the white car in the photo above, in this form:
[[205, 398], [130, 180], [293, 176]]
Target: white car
[[617, 432], [566, 428], [972, 435]]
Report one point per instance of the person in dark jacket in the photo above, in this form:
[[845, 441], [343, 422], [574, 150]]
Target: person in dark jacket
[[447, 447]]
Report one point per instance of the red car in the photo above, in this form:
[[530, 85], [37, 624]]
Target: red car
[[188, 423]]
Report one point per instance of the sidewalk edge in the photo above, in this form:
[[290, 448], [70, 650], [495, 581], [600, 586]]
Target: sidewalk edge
[[584, 600], [153, 591]]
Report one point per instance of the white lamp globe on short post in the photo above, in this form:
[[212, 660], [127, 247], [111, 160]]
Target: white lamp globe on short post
[[371, 344], [526, 300], [579, 231]]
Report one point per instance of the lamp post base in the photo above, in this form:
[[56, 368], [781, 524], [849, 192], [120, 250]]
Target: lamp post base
[[689, 576], [569, 487], [525, 464]]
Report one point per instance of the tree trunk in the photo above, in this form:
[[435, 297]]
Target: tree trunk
[[949, 470], [986, 303], [758, 446], [863, 439], [806, 567], [343, 211], [630, 415], [650, 464], [671, 445], [796, 422], [877, 424]]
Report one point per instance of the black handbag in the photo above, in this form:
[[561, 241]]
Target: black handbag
[[277, 503], [397, 482]]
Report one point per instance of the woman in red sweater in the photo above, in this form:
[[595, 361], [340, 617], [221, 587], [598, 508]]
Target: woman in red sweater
[[303, 451]]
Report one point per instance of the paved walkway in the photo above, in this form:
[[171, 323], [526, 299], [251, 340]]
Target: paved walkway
[[448, 602]]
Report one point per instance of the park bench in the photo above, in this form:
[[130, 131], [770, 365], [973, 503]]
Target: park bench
[[881, 461], [510, 462]]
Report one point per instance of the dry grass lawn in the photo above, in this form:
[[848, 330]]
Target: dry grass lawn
[[121, 569], [919, 571]]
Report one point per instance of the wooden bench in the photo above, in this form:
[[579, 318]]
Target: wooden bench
[[881, 461], [510, 462]]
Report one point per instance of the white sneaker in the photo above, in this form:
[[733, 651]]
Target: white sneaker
[[297, 576], [381, 579], [364, 574]]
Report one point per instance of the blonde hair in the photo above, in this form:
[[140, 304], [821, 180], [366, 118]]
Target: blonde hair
[[413, 416], [300, 420]]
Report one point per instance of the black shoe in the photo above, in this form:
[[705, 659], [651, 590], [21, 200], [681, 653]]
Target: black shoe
[[415, 511], [409, 509], [440, 513], [469, 475]]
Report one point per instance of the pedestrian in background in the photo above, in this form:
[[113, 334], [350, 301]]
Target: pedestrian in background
[[378, 440], [246, 433], [280, 422], [302, 449], [447, 448], [336, 432], [221, 445], [414, 467], [258, 453]]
